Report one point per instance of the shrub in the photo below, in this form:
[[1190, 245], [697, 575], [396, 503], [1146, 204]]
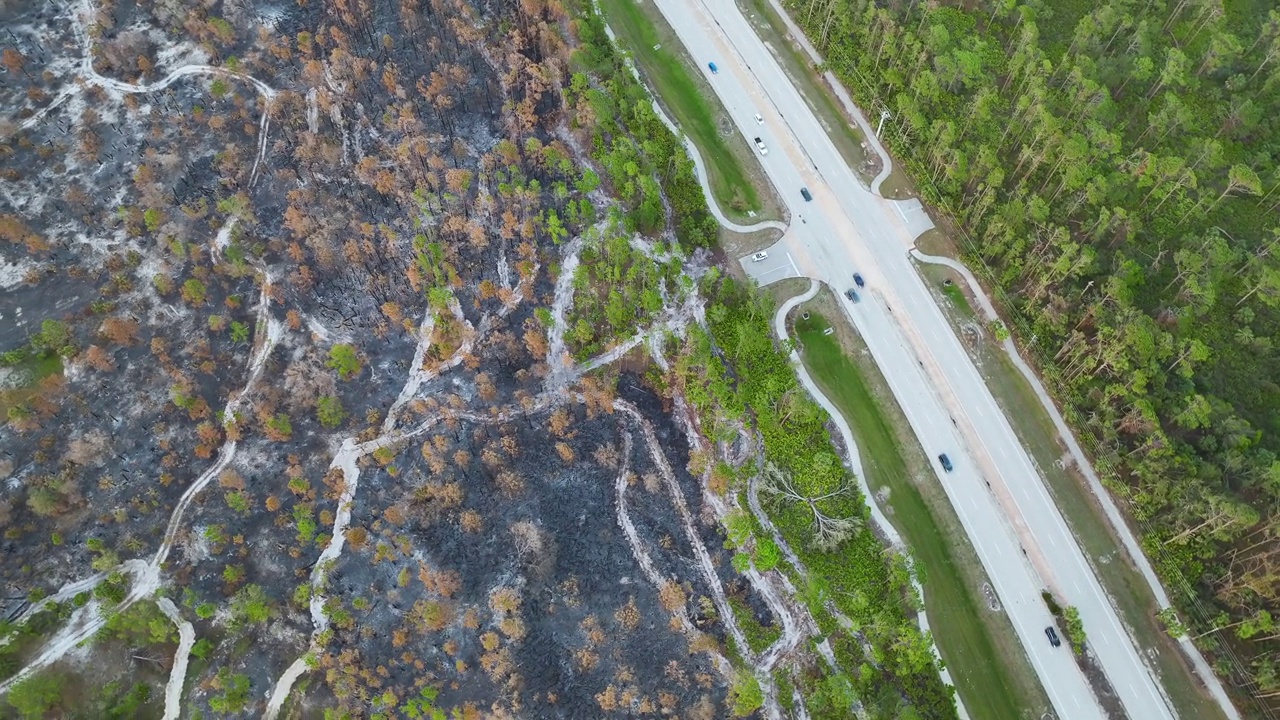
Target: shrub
[[36, 696], [344, 359], [329, 411], [250, 606], [746, 695], [194, 292]]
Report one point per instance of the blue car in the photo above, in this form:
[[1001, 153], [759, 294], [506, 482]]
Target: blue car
[[713, 67], [858, 279], [852, 295]]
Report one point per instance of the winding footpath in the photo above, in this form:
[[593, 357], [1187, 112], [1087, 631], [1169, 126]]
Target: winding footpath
[[181, 659], [881, 521], [350, 452], [85, 622], [146, 575], [90, 76], [887, 529], [643, 559], [1114, 516]]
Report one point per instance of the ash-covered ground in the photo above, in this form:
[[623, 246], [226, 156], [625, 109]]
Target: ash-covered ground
[[291, 423]]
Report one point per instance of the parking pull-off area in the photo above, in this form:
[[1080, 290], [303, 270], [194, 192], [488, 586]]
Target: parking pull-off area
[[777, 264], [839, 228]]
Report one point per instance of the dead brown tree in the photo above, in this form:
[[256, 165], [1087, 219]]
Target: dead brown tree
[[828, 531]]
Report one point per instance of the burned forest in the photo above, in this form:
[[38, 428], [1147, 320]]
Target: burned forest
[[359, 359]]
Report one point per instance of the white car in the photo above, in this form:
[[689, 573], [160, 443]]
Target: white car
[[760, 144], [759, 119], [759, 256]]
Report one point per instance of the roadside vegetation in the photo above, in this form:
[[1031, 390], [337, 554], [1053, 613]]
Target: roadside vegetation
[[643, 159], [883, 661], [1079, 506], [807, 79], [149, 431], [738, 374], [738, 184], [985, 659], [1116, 169], [957, 297]]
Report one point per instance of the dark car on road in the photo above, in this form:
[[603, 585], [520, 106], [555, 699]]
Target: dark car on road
[[946, 462], [857, 280], [1052, 634], [852, 295], [804, 193], [713, 68]]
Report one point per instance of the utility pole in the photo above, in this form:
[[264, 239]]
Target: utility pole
[[884, 115]]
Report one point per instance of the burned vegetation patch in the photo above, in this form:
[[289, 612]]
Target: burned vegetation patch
[[302, 378], [495, 555]]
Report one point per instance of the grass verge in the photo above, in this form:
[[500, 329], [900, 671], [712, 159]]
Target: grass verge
[[956, 293], [1122, 581], [784, 290], [986, 660], [843, 132], [737, 180]]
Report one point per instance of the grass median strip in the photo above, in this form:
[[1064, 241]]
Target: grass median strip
[[656, 50], [991, 674]]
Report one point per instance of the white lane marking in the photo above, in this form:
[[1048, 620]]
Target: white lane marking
[[770, 271], [898, 207], [753, 88]]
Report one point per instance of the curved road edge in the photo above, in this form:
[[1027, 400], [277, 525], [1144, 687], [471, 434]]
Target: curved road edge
[[699, 167], [1114, 517], [855, 464], [837, 89], [780, 319]]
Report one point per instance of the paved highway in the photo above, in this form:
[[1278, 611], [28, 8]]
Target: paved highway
[[1019, 535]]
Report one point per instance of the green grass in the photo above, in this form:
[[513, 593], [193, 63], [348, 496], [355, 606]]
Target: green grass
[[937, 277], [759, 637], [692, 104], [956, 295], [981, 670]]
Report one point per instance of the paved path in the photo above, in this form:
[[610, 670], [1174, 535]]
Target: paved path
[[1017, 531], [887, 530], [1118, 524], [837, 89]]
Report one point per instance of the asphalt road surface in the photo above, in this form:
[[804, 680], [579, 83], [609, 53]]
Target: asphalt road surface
[[779, 265], [1021, 538]]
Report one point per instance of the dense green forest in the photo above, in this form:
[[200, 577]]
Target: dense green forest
[[1115, 168]]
